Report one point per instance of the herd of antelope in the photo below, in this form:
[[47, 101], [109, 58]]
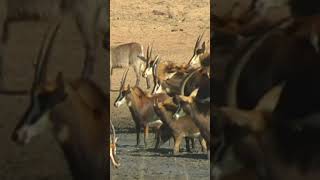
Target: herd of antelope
[[180, 93], [266, 108], [266, 104]]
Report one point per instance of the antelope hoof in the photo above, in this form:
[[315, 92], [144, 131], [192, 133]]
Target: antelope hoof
[[175, 153], [191, 150]]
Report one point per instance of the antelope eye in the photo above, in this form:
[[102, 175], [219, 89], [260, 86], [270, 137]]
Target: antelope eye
[[199, 51]]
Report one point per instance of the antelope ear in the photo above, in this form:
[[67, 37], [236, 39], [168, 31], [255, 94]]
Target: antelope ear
[[194, 93], [128, 87], [116, 140], [203, 47], [254, 120], [156, 59], [142, 58]]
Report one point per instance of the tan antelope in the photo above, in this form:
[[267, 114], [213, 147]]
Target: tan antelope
[[181, 128], [140, 105], [90, 17], [76, 112], [129, 54]]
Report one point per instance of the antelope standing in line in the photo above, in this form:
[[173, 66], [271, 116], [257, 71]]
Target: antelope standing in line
[[90, 17], [129, 54], [140, 105], [76, 112], [196, 106], [181, 128]]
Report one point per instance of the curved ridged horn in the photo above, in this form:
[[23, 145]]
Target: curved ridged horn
[[198, 42], [186, 80], [123, 80], [113, 132], [148, 49], [40, 73]]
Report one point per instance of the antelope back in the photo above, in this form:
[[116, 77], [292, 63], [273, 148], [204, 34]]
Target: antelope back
[[126, 54]]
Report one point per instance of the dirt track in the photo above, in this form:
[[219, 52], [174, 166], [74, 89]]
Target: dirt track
[[172, 27]]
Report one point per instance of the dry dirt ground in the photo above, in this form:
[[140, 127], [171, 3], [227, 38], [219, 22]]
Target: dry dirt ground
[[42, 159], [172, 27]]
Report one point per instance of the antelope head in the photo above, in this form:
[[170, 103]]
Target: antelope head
[[179, 111], [36, 119], [43, 97], [149, 62], [198, 50], [121, 99]]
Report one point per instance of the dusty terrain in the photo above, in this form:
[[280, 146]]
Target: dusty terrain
[[42, 158], [172, 27]]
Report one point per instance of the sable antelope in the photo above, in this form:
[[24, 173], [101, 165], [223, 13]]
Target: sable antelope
[[255, 55], [129, 54], [90, 17], [226, 145], [76, 112], [284, 64], [173, 84], [197, 107], [164, 70], [164, 134], [279, 144], [167, 69], [198, 51], [140, 105], [183, 127]]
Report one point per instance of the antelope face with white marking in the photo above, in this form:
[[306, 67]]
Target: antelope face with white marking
[[150, 65], [196, 55], [36, 119], [197, 52], [157, 89], [148, 70], [122, 97]]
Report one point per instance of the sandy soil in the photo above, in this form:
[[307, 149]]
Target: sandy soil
[[172, 27], [42, 159]]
